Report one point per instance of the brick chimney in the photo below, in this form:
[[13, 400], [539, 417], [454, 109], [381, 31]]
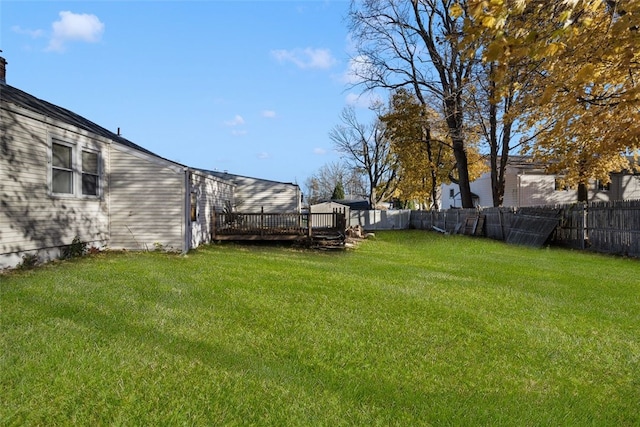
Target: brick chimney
[[3, 70]]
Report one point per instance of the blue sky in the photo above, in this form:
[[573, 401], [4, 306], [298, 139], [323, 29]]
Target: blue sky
[[251, 87]]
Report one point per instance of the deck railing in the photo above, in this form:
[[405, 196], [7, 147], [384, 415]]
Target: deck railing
[[241, 225]]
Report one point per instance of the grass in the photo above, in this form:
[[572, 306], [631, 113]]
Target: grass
[[412, 328]]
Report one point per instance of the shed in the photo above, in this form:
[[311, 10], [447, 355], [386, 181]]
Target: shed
[[354, 204], [329, 207]]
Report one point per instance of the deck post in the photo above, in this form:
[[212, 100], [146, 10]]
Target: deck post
[[261, 220], [213, 224]]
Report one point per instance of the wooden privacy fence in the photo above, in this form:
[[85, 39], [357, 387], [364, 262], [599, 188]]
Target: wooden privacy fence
[[450, 220], [275, 226], [376, 219], [608, 227], [614, 227]]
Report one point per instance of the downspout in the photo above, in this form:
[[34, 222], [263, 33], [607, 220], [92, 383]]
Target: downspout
[[106, 190], [187, 210], [519, 189]]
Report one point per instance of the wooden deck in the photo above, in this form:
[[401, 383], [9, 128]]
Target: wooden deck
[[277, 226]]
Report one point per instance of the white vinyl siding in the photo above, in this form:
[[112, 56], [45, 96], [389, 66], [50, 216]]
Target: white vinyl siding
[[625, 187], [253, 194], [208, 193], [147, 201], [30, 218]]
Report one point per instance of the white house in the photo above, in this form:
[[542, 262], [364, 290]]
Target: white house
[[63, 176], [256, 194], [527, 184]]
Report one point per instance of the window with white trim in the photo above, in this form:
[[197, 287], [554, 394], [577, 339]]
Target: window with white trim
[[61, 168], [74, 171], [90, 173], [601, 186]]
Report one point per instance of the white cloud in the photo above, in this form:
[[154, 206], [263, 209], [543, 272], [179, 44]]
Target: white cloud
[[306, 58], [358, 66], [237, 121], [319, 151], [75, 27], [263, 155], [269, 114], [34, 34], [238, 132], [364, 100]]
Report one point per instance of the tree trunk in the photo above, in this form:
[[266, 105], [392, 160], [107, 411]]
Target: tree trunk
[[463, 173], [493, 141], [583, 193], [499, 158], [454, 123], [372, 198]]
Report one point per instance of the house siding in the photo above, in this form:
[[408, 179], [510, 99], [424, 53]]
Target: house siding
[[31, 219], [482, 188], [625, 187], [211, 193], [254, 194], [147, 201], [539, 190]]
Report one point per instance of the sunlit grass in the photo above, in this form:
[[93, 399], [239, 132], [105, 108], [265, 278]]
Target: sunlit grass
[[411, 328]]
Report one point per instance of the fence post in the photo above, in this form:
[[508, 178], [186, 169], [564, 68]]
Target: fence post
[[585, 229], [309, 225]]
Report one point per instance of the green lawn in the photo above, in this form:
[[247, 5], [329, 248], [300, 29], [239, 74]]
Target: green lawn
[[412, 328]]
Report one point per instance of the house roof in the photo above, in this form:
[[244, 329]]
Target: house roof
[[232, 177], [29, 102], [355, 204]]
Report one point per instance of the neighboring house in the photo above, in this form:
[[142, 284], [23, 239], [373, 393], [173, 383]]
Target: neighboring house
[[255, 194], [63, 176], [527, 184]]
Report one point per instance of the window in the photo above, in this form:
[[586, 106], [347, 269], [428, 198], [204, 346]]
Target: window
[[90, 176], [61, 169], [73, 173], [600, 186], [194, 206], [559, 185]]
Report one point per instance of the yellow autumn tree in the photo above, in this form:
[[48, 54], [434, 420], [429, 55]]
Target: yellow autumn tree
[[423, 149], [583, 104]]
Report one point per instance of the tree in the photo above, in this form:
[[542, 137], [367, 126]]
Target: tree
[[338, 192], [584, 103], [419, 140], [492, 111], [496, 107], [366, 150], [416, 44], [320, 185], [425, 161]]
